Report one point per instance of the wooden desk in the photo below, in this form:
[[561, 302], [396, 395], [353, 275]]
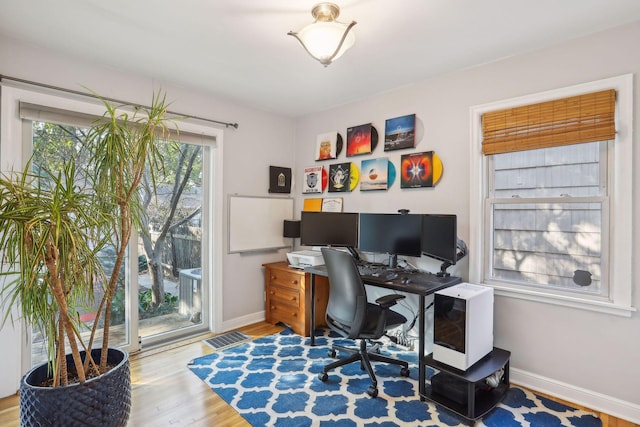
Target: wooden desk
[[422, 290], [289, 296]]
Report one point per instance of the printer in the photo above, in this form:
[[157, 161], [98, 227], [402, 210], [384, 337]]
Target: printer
[[302, 259]]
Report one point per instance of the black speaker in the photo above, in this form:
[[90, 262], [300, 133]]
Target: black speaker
[[291, 228]]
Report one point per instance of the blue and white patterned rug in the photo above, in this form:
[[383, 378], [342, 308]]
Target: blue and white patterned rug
[[273, 381]]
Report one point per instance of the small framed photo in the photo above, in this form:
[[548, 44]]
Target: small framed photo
[[332, 204], [400, 133]]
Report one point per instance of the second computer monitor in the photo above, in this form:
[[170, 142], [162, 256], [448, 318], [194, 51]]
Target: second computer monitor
[[393, 234], [329, 229]]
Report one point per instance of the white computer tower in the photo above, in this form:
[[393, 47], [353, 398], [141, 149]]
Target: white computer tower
[[462, 324]]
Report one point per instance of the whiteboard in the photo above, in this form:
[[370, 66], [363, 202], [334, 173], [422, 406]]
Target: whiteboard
[[256, 223]]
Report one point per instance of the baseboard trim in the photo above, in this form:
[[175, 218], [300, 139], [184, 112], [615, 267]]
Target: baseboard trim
[[239, 322], [587, 398]]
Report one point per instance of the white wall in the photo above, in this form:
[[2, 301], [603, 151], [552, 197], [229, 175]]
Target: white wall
[[584, 356], [262, 139]]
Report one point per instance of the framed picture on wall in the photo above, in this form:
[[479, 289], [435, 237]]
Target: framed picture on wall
[[279, 179], [361, 139], [339, 177], [332, 204], [374, 174], [315, 180], [328, 145], [400, 133], [416, 170]]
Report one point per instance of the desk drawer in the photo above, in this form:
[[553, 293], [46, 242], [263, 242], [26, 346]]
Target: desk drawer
[[286, 314], [281, 295], [285, 278]]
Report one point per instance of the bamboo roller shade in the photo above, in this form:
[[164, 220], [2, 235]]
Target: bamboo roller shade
[[577, 119]]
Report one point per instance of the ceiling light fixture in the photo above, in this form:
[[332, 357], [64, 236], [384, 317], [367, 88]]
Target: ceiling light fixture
[[326, 39]]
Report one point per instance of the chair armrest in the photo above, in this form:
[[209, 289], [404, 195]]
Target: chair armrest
[[389, 300]]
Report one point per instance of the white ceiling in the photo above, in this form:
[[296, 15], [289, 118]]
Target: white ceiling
[[240, 50]]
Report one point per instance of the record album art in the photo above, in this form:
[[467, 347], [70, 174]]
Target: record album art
[[400, 132], [420, 170], [329, 145], [374, 174], [279, 179], [361, 139], [315, 180], [339, 177]]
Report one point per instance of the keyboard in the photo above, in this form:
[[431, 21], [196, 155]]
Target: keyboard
[[370, 269], [377, 271], [383, 273], [420, 278]]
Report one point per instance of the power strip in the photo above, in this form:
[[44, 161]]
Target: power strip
[[402, 339]]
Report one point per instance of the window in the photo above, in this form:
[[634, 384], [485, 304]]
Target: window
[[52, 126], [550, 215], [546, 208]]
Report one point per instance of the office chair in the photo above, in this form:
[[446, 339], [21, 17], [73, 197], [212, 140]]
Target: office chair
[[350, 315]]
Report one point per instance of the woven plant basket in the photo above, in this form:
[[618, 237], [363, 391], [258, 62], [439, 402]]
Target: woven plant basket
[[100, 401]]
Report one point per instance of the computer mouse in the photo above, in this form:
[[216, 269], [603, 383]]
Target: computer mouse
[[405, 280]]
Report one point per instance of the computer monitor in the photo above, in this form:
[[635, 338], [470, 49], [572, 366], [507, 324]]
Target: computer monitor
[[329, 229], [393, 234], [440, 239]]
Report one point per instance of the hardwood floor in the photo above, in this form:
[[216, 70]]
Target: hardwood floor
[[165, 393]]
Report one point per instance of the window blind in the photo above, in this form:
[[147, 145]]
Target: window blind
[[577, 119], [44, 113]]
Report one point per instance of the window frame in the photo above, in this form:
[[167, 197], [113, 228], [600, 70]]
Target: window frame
[[620, 174]]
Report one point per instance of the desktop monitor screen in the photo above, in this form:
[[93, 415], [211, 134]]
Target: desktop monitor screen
[[394, 234], [329, 229], [439, 237]]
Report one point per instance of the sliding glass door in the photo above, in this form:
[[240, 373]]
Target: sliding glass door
[[160, 295]]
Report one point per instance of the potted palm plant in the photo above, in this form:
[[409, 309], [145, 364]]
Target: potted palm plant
[[52, 231]]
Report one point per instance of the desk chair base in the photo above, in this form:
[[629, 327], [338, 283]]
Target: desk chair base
[[364, 356]]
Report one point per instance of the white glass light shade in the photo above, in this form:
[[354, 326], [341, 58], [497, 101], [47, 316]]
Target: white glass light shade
[[322, 39]]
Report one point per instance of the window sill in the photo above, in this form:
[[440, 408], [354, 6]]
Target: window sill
[[561, 300]]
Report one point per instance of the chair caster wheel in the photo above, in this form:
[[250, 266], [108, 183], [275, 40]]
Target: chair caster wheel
[[372, 391], [332, 353], [404, 372], [322, 376]]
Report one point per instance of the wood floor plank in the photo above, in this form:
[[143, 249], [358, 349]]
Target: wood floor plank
[[166, 393]]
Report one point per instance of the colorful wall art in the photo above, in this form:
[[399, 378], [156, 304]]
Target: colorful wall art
[[400, 132], [374, 174], [420, 170], [315, 180], [339, 177], [361, 140], [328, 145]]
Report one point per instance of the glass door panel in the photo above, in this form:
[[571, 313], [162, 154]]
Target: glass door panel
[[51, 144], [171, 297]]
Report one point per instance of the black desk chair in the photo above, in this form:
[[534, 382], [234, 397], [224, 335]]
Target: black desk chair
[[350, 315]]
